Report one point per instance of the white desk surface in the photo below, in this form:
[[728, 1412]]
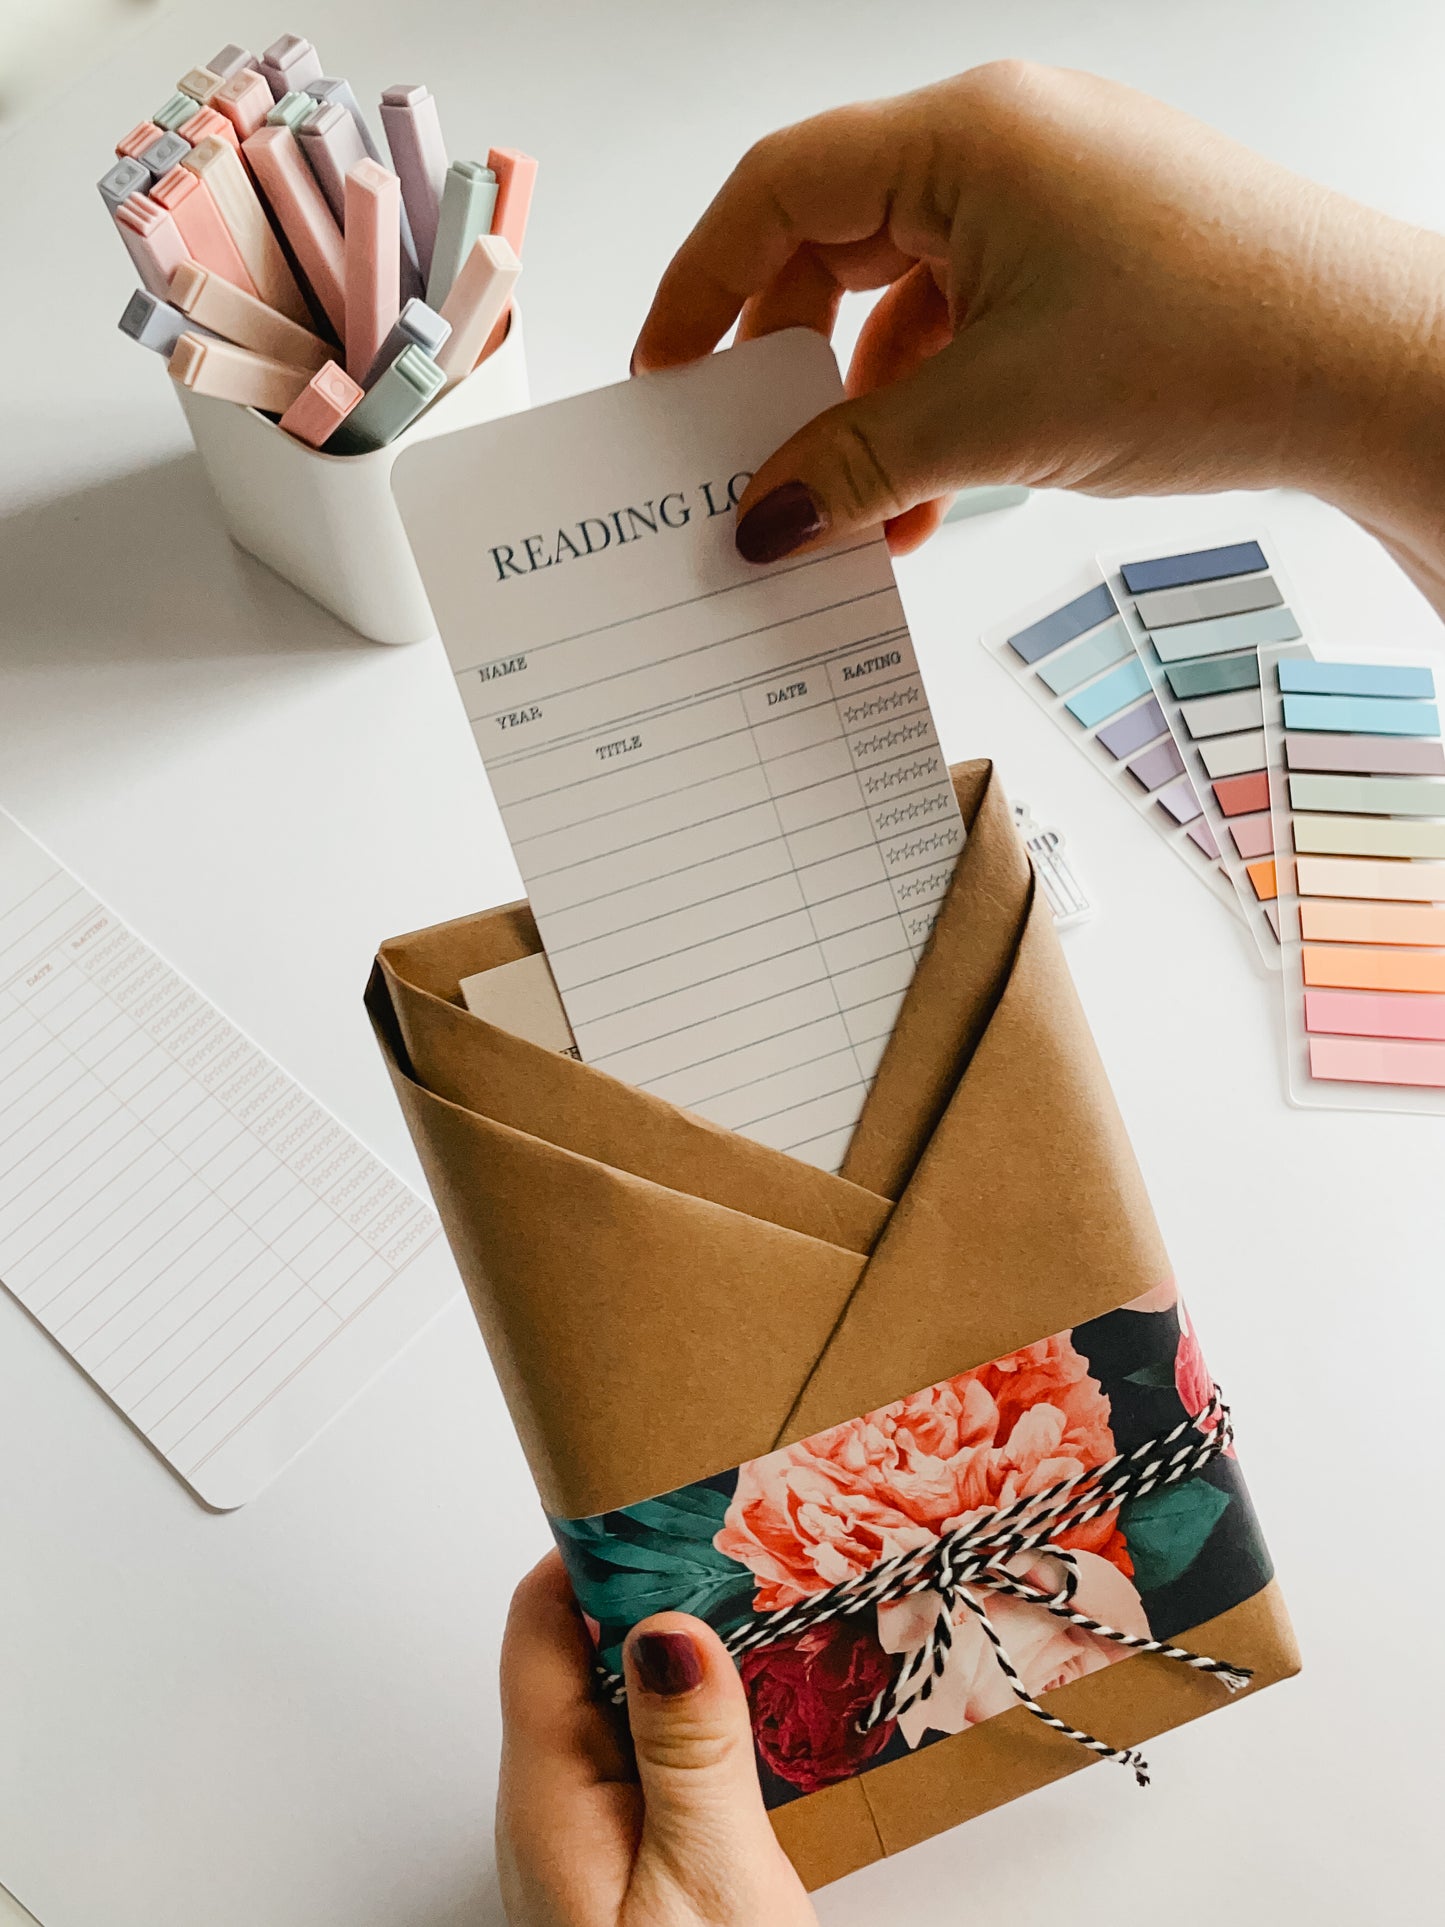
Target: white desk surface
[[286, 1717]]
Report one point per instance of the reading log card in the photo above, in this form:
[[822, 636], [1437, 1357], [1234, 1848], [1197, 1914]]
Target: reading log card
[[722, 782]]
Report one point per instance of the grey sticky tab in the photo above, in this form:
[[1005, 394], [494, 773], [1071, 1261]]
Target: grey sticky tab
[[1228, 598], [154, 324], [164, 154], [1222, 715], [1052, 631], [118, 183]]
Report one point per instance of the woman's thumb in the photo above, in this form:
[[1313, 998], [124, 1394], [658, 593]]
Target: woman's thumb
[[694, 1745], [863, 463]]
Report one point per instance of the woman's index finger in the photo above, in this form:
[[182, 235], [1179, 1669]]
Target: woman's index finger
[[825, 182]]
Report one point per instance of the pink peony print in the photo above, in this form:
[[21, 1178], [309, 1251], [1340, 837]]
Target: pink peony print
[[1192, 1379], [1045, 1651], [819, 1512]]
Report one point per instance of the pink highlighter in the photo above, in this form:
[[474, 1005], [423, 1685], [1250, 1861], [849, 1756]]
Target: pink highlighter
[[138, 140], [153, 241], [245, 100], [372, 234], [187, 200], [209, 125], [322, 406], [516, 174], [300, 208]]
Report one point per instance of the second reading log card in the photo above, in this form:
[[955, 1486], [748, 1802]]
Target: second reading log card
[[722, 783]]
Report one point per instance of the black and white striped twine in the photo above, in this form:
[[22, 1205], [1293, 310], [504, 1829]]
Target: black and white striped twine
[[973, 1558]]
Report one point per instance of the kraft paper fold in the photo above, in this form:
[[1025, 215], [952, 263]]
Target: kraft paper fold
[[663, 1299]]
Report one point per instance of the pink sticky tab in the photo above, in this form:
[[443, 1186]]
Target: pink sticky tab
[[1361, 1013], [1365, 1060]]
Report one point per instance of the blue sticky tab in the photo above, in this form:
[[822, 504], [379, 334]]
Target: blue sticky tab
[[1110, 694], [1362, 715], [1051, 632], [1304, 678], [1221, 637], [1107, 645], [1201, 565]]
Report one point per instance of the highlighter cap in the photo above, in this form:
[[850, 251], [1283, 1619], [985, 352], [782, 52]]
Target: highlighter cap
[[230, 60], [163, 154], [175, 112], [291, 109], [118, 183]]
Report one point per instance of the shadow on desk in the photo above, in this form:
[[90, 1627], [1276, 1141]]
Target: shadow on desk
[[139, 568]]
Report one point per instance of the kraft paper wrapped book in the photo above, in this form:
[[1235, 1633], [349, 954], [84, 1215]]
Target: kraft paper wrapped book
[[665, 1302]]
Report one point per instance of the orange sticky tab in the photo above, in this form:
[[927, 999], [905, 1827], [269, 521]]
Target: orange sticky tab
[[1238, 795], [1335, 967], [1328, 921], [1262, 876]]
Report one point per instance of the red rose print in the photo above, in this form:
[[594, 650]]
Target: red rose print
[[807, 1695]]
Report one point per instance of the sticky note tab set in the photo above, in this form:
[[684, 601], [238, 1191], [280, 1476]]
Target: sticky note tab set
[[1357, 783], [1076, 656], [1197, 620]]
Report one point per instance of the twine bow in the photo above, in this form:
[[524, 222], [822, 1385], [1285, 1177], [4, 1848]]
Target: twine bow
[[973, 1559]]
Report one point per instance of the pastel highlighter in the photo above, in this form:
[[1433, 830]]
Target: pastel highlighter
[[1359, 771], [209, 125], [153, 242], [479, 298], [307, 222], [208, 240], [244, 100], [322, 406], [373, 262], [1077, 659], [235, 374], [1199, 619], [213, 302], [231, 188]]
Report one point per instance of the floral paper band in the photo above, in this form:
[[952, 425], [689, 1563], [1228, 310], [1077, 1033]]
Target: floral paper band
[[902, 1576]]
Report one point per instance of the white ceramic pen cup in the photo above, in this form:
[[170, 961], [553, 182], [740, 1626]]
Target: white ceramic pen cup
[[329, 523]]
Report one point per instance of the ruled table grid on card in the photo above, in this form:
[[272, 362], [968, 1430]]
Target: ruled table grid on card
[[190, 1225], [736, 826]]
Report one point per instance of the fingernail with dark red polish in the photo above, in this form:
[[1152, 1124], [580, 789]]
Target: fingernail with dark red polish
[[786, 518], [668, 1664]]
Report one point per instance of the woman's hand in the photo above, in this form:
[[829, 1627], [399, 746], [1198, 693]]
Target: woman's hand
[[584, 1838], [1082, 289]]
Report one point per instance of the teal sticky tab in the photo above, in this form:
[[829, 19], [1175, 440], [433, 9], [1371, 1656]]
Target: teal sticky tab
[[1213, 675], [390, 406], [469, 198], [1362, 715], [1298, 676], [1368, 795], [176, 112], [1110, 694], [1223, 634], [1107, 645]]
